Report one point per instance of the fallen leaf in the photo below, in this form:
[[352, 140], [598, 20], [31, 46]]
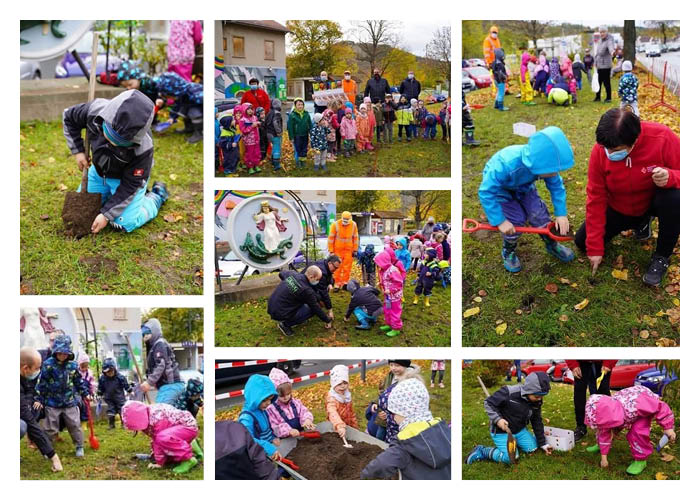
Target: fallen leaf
[[471, 312], [666, 342], [620, 275], [618, 263], [648, 320], [564, 281], [574, 285], [499, 321], [676, 302], [477, 299], [501, 329], [173, 177], [563, 318], [172, 217], [518, 312], [551, 288], [44, 217], [660, 476], [51, 159], [644, 334], [581, 305], [62, 187], [665, 457], [660, 314], [482, 293]]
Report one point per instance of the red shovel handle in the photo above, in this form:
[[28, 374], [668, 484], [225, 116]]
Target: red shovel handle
[[472, 225], [288, 462], [310, 434], [94, 443]]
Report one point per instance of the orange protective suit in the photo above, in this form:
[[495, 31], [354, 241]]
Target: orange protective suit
[[343, 241], [489, 47], [350, 89]]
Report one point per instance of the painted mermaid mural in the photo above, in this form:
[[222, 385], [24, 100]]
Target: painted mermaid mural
[[270, 242]]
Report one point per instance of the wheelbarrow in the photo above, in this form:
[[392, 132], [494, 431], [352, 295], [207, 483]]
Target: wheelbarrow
[[472, 225]]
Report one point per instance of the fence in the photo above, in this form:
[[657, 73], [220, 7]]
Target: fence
[[655, 66]]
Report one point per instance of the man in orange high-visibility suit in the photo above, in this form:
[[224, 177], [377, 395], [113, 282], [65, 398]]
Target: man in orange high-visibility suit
[[491, 43], [343, 241]]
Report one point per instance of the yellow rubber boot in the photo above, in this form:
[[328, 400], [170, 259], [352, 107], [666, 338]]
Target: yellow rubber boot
[[415, 300], [427, 302]]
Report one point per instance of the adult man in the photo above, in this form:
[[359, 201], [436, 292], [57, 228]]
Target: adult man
[[591, 375], [377, 87], [349, 87], [343, 241], [491, 43], [294, 300], [327, 266], [410, 87], [323, 84], [162, 368], [256, 96]]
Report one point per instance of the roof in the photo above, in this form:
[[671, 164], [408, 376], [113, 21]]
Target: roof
[[264, 25], [388, 214]]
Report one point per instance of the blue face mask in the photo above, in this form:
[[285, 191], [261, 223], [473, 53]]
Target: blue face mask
[[617, 155], [253, 87], [314, 282]]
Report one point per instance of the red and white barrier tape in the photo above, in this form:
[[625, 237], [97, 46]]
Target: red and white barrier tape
[[235, 394], [252, 362]]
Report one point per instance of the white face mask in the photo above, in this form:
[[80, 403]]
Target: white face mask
[[410, 76], [324, 77], [347, 77], [494, 35], [345, 222]]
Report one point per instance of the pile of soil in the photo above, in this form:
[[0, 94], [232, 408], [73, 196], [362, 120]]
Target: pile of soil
[[326, 458], [79, 212]]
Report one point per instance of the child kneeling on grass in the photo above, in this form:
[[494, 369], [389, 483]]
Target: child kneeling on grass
[[423, 447], [509, 196], [511, 409], [173, 433], [634, 409], [288, 416], [339, 410], [259, 393], [364, 305]]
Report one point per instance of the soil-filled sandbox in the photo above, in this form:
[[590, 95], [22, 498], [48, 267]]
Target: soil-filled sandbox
[[326, 458]]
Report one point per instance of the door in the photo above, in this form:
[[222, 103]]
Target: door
[[271, 86]]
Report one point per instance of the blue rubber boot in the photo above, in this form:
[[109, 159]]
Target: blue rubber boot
[[161, 190], [510, 261], [564, 254], [361, 319]]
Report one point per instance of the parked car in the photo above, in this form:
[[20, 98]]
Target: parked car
[[476, 62], [480, 75], [653, 50], [674, 46], [468, 85], [186, 375], [29, 70], [228, 375], [554, 367], [68, 67], [374, 240], [624, 372], [655, 379], [230, 266]]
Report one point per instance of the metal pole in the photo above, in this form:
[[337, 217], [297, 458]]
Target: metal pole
[[109, 29], [130, 47], [363, 370]]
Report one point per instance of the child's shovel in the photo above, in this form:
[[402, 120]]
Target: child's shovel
[[511, 444], [81, 208], [662, 442], [94, 443], [289, 463], [346, 444], [310, 435], [472, 225]]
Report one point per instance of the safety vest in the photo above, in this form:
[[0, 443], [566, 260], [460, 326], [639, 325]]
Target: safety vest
[[343, 237]]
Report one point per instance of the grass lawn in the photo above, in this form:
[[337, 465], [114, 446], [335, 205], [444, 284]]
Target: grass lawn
[[576, 464], [420, 158], [158, 258], [314, 396], [114, 460], [643, 316], [248, 324]]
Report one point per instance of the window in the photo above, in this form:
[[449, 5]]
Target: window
[[119, 314], [238, 46], [321, 193], [225, 45], [269, 50]]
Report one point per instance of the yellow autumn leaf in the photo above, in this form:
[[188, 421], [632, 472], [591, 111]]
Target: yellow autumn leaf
[[471, 312], [660, 476], [477, 299], [676, 302], [665, 457], [173, 177], [620, 274], [581, 305], [501, 329]]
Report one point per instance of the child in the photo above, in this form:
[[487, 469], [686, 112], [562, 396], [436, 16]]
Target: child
[[399, 369], [391, 280], [509, 196], [191, 399], [298, 128], [273, 132], [468, 125], [339, 410], [444, 119], [228, 144], [111, 388], [437, 367], [404, 118], [402, 253], [420, 116], [89, 379], [414, 125], [364, 129], [378, 120], [510, 410], [250, 130], [259, 393], [627, 88], [319, 141], [541, 74], [430, 122], [389, 115], [422, 448], [173, 433], [59, 386], [578, 68], [348, 130], [415, 248], [573, 88], [500, 77], [364, 305], [264, 143], [288, 416], [558, 92], [366, 260], [525, 87], [634, 409], [429, 272], [333, 126], [370, 113], [376, 427], [554, 68]]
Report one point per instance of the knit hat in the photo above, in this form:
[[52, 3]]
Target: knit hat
[[431, 252], [367, 99], [348, 111], [363, 107], [278, 377], [414, 101], [627, 66], [403, 362], [135, 415], [83, 358], [604, 412], [339, 374], [318, 117], [353, 285], [410, 399]]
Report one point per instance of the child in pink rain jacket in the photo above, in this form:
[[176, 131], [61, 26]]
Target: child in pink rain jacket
[[391, 281], [249, 126], [173, 433], [634, 409], [288, 416], [348, 131]]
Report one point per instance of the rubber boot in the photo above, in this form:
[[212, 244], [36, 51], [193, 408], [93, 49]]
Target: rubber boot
[[415, 300], [161, 189], [199, 453], [185, 466], [189, 128], [496, 105], [276, 165], [363, 324], [558, 250], [393, 333], [469, 137], [593, 449], [197, 135], [637, 467], [111, 422], [80, 452], [426, 301], [510, 260], [385, 328]]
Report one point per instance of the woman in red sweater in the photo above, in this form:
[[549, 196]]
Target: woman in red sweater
[[633, 175]]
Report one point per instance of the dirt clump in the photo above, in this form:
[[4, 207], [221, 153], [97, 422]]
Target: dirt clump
[[79, 212], [96, 265], [326, 458]]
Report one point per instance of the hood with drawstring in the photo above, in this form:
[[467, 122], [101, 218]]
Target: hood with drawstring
[[63, 345], [514, 169], [257, 389], [276, 104], [162, 367], [154, 329]]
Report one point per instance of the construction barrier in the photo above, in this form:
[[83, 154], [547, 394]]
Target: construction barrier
[[252, 362], [235, 394]]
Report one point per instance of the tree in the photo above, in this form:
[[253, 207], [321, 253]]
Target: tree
[[439, 49], [629, 35], [313, 45], [179, 324], [402, 62], [357, 201], [665, 28], [343, 59], [423, 202], [375, 41], [532, 29]]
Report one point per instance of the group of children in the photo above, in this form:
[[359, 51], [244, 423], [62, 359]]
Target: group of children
[[64, 389], [271, 413], [244, 135], [431, 261], [513, 407]]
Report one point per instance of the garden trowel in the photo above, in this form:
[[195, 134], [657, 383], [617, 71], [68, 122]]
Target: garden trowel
[[511, 444]]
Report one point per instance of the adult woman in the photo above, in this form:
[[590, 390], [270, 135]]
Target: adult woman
[[633, 175], [603, 62]]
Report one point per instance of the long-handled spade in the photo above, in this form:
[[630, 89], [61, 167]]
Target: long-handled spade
[[512, 444], [81, 208], [94, 443]]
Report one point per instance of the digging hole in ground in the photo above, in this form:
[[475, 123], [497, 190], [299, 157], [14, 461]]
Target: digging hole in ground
[[96, 265]]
